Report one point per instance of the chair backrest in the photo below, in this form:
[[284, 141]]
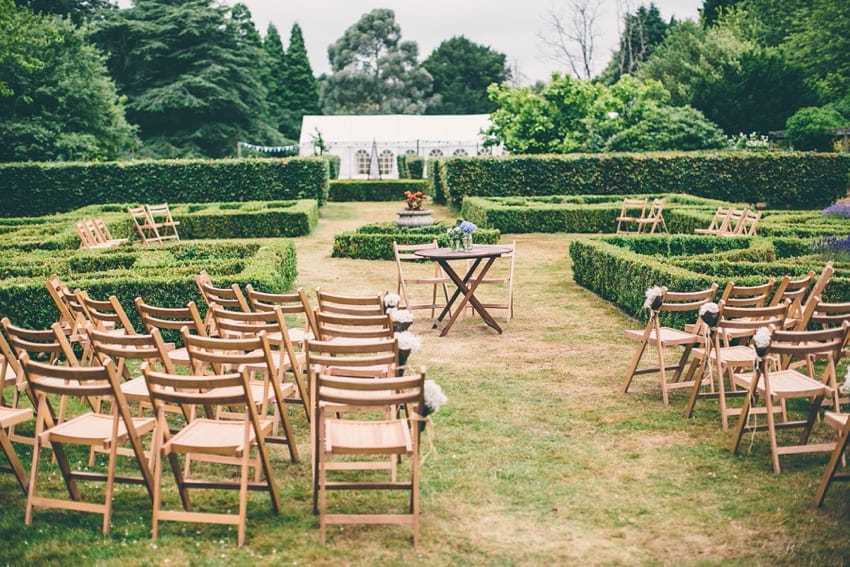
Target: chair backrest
[[353, 359], [735, 295], [102, 230], [105, 314], [654, 217], [291, 304], [71, 316], [227, 297], [741, 322], [160, 217], [170, 318], [120, 348], [88, 238], [349, 304], [634, 208], [217, 355], [144, 225], [821, 343], [355, 393], [331, 326], [46, 345], [794, 291], [819, 286], [190, 391], [719, 222]]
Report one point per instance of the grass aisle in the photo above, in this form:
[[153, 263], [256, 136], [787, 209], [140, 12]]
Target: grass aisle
[[539, 459]]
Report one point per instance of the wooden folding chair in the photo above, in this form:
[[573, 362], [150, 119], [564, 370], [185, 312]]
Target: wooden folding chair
[[735, 295], [287, 359], [294, 305], [345, 439], [631, 211], [105, 315], [419, 272], [349, 304], [769, 385], [227, 297], [169, 321], [500, 275], [653, 218], [9, 418], [719, 222], [104, 236], [727, 352], [161, 219], [92, 428], [144, 226], [215, 355], [352, 329], [87, 237], [71, 315], [221, 441], [841, 423], [793, 291], [663, 337], [748, 223]]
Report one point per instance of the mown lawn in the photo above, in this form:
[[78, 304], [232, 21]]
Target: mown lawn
[[538, 458]]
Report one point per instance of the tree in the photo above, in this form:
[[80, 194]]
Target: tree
[[56, 99], [301, 87], [462, 71], [374, 72], [643, 30], [713, 9], [571, 42], [808, 128], [755, 93], [274, 75], [77, 10], [669, 128], [189, 71]]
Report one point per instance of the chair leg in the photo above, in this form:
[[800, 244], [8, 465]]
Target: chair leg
[[630, 374], [831, 468], [14, 462]]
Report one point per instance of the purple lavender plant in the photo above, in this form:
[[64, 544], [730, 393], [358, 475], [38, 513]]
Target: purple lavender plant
[[833, 246], [837, 210]]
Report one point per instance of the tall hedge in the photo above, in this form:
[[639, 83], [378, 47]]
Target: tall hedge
[[779, 179], [33, 189]]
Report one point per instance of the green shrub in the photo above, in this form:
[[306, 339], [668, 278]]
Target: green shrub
[[33, 189], [375, 190], [375, 241]]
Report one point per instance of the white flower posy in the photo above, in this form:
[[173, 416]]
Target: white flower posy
[[709, 307], [653, 294], [761, 340], [401, 316], [408, 341], [434, 396], [391, 300]]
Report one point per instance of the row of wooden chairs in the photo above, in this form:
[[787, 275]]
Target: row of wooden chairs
[[154, 224], [94, 233], [731, 221], [719, 359], [115, 340], [639, 216]]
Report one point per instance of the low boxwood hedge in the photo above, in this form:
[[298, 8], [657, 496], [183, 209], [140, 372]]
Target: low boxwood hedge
[[375, 241], [375, 190]]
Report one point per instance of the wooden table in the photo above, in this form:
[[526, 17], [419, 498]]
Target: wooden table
[[467, 284]]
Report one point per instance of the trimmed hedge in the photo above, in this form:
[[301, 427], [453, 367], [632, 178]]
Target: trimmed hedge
[[375, 190], [34, 189], [161, 275], [375, 241], [620, 269], [779, 179], [410, 166]]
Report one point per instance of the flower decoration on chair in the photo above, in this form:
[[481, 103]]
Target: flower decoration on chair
[[390, 300], [407, 343], [415, 199], [653, 298], [761, 340], [402, 319], [709, 313], [434, 400]]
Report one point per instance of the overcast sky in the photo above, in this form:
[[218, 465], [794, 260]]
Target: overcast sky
[[506, 26], [511, 27]]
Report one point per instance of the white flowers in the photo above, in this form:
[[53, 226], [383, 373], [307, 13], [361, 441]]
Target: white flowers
[[401, 316], [391, 300], [408, 341], [434, 397], [653, 298], [708, 308], [761, 340]]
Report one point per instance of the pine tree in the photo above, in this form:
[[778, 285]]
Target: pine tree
[[302, 88], [274, 77]]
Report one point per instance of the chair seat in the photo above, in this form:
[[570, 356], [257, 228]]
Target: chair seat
[[734, 356], [286, 390], [136, 390], [94, 429], [14, 416], [214, 436], [669, 336], [353, 437], [834, 419], [787, 384], [179, 356]]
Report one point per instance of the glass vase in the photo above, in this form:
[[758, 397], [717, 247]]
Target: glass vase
[[456, 244], [467, 241]]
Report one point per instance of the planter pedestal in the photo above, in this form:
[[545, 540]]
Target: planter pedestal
[[411, 218]]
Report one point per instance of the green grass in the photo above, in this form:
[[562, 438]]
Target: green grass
[[538, 458]]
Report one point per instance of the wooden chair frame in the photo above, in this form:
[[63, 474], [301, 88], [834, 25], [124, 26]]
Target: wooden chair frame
[[227, 297], [437, 279], [349, 304], [632, 211], [719, 222], [502, 277], [840, 422], [653, 218], [161, 219], [172, 320], [296, 303]]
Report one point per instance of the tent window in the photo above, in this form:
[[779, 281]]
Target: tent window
[[436, 152], [385, 162], [484, 151], [361, 159], [460, 152]]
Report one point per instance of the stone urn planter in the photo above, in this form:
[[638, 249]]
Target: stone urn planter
[[411, 218]]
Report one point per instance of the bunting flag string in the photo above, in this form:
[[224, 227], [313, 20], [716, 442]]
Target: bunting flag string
[[269, 149]]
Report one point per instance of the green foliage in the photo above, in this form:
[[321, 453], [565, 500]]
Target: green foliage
[[373, 71], [191, 72], [161, 275], [462, 71], [642, 32], [375, 190], [375, 241], [56, 99], [669, 128], [779, 179], [38, 188], [808, 128]]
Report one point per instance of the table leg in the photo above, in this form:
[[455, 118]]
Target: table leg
[[468, 294]]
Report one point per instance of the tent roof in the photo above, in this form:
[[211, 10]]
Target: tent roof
[[395, 128]]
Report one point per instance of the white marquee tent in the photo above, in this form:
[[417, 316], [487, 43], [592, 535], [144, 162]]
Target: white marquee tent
[[352, 139]]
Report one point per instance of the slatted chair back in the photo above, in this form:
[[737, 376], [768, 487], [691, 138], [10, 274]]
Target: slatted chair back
[[105, 314], [349, 304], [413, 270], [631, 211], [107, 431], [719, 222], [654, 217], [735, 295], [169, 321], [144, 226], [162, 220], [352, 328], [230, 442], [294, 305]]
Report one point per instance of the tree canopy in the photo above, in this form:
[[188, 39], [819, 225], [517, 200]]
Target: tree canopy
[[57, 101], [374, 72], [462, 71]]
